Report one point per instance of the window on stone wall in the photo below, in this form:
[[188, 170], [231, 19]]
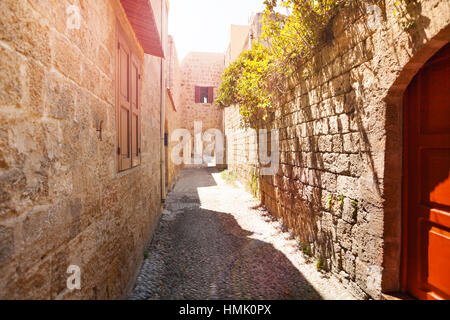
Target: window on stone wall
[[128, 110], [204, 94]]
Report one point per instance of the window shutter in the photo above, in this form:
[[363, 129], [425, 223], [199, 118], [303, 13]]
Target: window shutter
[[124, 105], [135, 124], [139, 120], [197, 94], [211, 94]]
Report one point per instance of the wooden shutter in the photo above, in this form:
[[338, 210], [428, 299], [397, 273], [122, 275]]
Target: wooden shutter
[[128, 113], [123, 93], [210, 94], [135, 124], [197, 94]]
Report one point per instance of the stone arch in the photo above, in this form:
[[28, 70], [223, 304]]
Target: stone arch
[[393, 188]]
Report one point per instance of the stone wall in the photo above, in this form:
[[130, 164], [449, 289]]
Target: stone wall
[[173, 108], [339, 183], [200, 69], [62, 200]]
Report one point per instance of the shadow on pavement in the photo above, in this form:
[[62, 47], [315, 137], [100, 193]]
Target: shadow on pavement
[[207, 255]]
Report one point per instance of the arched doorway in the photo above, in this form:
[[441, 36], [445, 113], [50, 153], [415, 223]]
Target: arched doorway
[[426, 192]]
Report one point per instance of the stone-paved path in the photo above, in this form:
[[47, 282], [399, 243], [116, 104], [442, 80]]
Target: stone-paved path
[[213, 242]]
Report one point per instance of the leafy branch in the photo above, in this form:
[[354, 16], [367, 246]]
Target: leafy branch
[[259, 75]]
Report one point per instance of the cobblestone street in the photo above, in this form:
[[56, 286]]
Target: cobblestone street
[[214, 242]]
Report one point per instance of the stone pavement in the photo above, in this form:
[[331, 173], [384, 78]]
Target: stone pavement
[[214, 242]]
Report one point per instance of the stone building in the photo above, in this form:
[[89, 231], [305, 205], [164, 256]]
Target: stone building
[[172, 120], [352, 184], [239, 35], [200, 79], [82, 164], [242, 37]]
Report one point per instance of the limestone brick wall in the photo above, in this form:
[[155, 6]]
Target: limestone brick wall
[[339, 183], [62, 200], [173, 111]]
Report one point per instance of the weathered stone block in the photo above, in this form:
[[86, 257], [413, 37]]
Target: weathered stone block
[[24, 30], [325, 143], [349, 211], [328, 181], [35, 80], [344, 123], [357, 165], [348, 186], [348, 264], [33, 284], [368, 277], [11, 89], [344, 235], [6, 244], [60, 97], [67, 58]]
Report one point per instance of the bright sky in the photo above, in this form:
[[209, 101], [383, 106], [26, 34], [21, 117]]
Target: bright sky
[[204, 25]]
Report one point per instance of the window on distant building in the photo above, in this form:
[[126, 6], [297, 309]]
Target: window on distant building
[[204, 94]]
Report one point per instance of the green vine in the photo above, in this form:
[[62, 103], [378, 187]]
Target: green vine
[[259, 74], [253, 183], [245, 83], [330, 200], [341, 200], [306, 249], [404, 13], [321, 264]]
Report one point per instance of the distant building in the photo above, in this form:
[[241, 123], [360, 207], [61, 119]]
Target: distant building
[[242, 37], [239, 39]]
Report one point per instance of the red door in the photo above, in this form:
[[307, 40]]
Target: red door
[[427, 181]]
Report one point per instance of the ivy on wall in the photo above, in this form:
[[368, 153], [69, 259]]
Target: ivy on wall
[[259, 74], [404, 12], [245, 83]]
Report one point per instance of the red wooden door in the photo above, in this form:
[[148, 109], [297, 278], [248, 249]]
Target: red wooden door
[[427, 181]]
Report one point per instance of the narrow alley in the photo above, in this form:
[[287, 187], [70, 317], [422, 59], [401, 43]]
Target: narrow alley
[[225, 150], [215, 242]]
